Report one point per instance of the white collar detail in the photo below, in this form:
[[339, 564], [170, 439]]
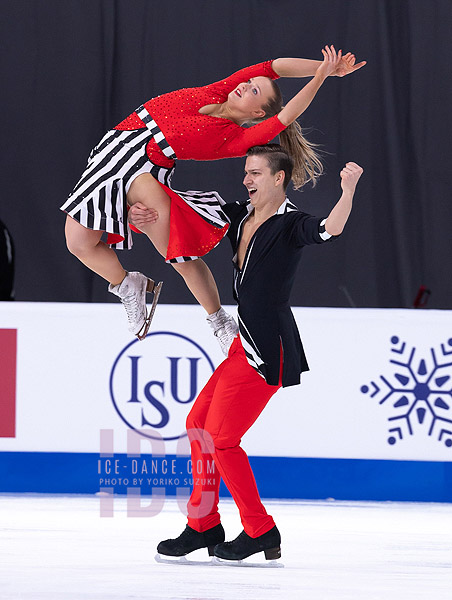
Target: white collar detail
[[286, 206]]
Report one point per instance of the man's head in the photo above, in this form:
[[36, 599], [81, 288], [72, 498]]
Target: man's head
[[268, 170]]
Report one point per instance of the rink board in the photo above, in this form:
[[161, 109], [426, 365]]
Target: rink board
[[81, 400], [276, 477]]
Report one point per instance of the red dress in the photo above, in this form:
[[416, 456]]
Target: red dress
[[194, 136], [170, 127]]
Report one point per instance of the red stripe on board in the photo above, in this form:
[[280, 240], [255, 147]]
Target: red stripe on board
[[8, 359]]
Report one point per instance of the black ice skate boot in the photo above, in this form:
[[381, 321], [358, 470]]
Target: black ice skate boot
[[244, 546], [190, 540]]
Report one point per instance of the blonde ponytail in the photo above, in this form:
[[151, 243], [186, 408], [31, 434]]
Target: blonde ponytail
[[307, 164]]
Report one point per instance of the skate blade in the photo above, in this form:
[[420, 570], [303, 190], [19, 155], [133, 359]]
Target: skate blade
[[268, 564], [144, 330], [183, 560]]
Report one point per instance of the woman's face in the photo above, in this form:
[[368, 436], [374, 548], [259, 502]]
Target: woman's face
[[249, 97]]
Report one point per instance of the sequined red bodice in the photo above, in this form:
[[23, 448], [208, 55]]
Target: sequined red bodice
[[195, 136]]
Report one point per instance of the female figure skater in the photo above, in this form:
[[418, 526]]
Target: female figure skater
[[134, 162]]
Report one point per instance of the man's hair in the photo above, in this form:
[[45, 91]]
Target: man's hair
[[277, 159]]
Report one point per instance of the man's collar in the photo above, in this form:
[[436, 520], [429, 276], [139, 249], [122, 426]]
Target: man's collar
[[285, 207]]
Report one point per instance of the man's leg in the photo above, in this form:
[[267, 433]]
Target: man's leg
[[203, 504], [225, 409], [204, 529], [239, 397]]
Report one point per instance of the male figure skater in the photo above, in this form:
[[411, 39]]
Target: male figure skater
[[267, 234]]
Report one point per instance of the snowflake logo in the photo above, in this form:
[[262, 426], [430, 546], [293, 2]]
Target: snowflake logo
[[419, 391]]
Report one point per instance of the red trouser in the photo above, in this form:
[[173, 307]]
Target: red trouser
[[225, 409]]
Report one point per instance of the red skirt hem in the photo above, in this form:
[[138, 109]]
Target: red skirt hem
[[190, 234]]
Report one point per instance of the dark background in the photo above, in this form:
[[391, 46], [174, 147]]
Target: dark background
[[71, 69]]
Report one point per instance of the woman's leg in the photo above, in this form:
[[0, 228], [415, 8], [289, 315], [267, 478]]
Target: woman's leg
[[131, 288], [87, 246], [201, 283], [196, 273]]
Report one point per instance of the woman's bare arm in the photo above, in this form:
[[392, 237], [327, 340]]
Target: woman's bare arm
[[300, 102], [305, 67]]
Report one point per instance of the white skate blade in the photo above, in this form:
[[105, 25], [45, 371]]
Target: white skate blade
[[182, 560], [268, 564], [144, 330]]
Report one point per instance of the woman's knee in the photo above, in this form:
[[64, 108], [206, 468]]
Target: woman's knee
[[179, 268], [187, 267], [79, 239], [74, 245]]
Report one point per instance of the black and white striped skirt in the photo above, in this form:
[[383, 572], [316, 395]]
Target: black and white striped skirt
[[99, 200]]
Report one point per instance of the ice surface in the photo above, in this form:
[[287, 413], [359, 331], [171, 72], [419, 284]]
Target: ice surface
[[60, 547]]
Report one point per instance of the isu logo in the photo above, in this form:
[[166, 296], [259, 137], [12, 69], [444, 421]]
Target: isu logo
[[154, 382]]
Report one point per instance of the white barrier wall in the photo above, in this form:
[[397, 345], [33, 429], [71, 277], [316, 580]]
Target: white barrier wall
[[380, 385]]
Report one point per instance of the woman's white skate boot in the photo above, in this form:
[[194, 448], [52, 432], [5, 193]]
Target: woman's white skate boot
[[132, 293], [224, 328]]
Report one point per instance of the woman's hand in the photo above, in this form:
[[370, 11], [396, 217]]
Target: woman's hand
[[300, 102], [330, 63], [347, 65]]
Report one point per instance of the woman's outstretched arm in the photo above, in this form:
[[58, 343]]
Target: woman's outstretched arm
[[300, 102], [305, 67]]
